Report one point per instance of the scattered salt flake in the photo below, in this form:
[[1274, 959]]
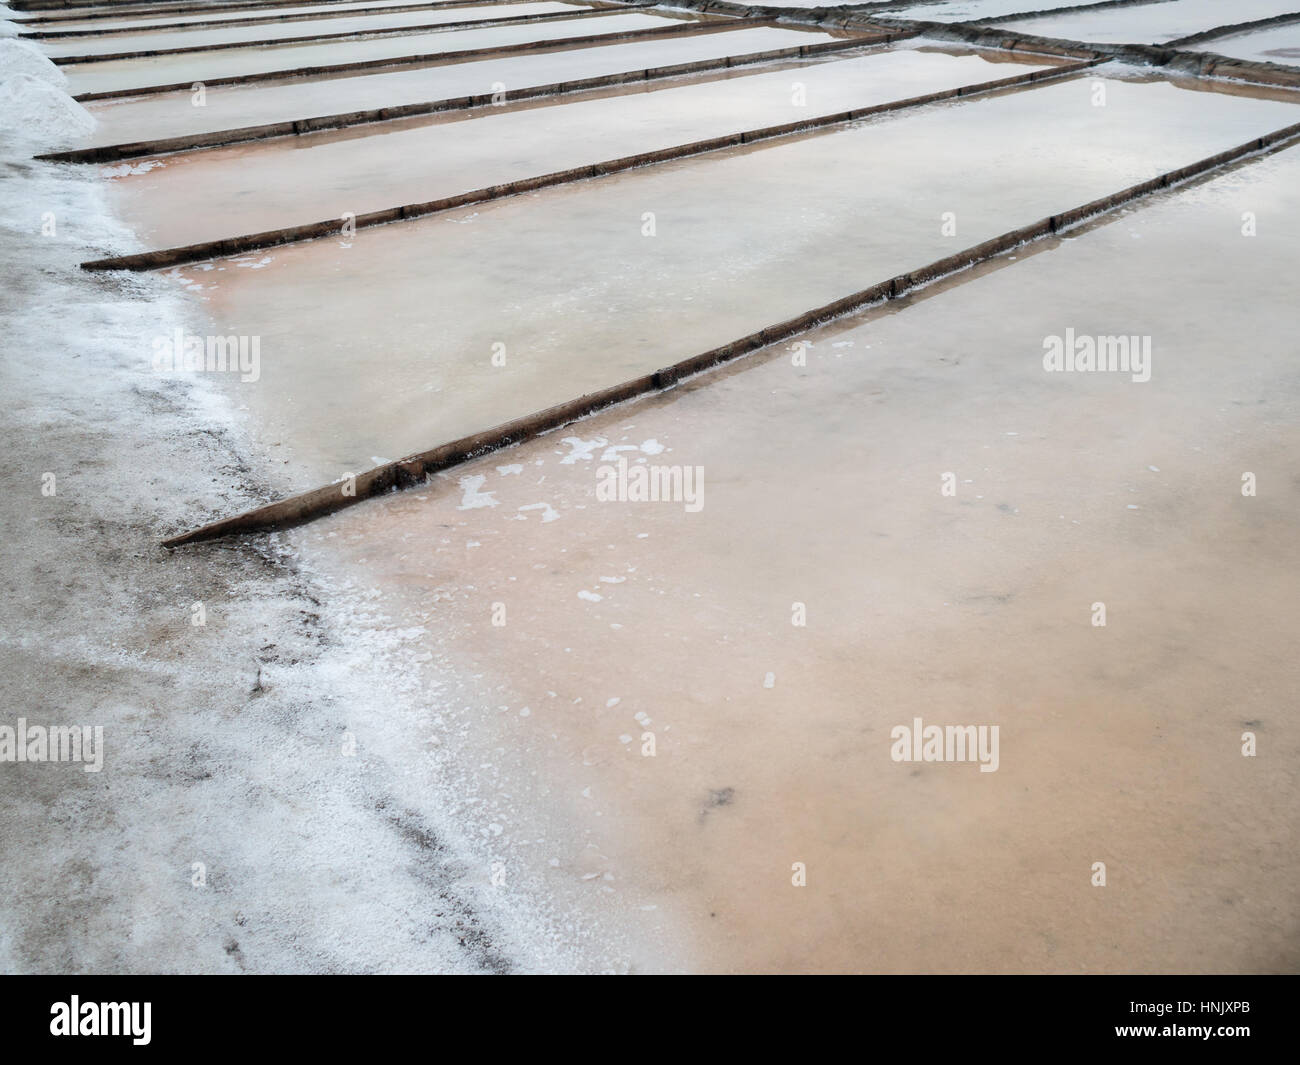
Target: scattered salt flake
[[581, 449], [613, 580], [625, 738], [128, 169], [472, 498], [506, 471], [1133, 506], [613, 702], [769, 681], [651, 446], [591, 597], [524, 712], [548, 512], [1154, 469]]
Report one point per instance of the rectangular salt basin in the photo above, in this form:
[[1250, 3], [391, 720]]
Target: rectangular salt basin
[[255, 187], [1154, 23], [1278, 44], [172, 114], [148, 21], [122, 74], [821, 488], [967, 10], [384, 344], [942, 11], [206, 38]]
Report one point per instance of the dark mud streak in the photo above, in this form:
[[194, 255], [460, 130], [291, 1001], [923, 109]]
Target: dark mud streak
[[433, 869]]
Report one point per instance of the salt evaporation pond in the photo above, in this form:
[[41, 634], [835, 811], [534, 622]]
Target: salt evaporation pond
[[231, 107], [967, 10], [118, 75], [288, 181], [1278, 44], [214, 36], [825, 590], [383, 344], [1150, 23], [55, 21], [772, 740]]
